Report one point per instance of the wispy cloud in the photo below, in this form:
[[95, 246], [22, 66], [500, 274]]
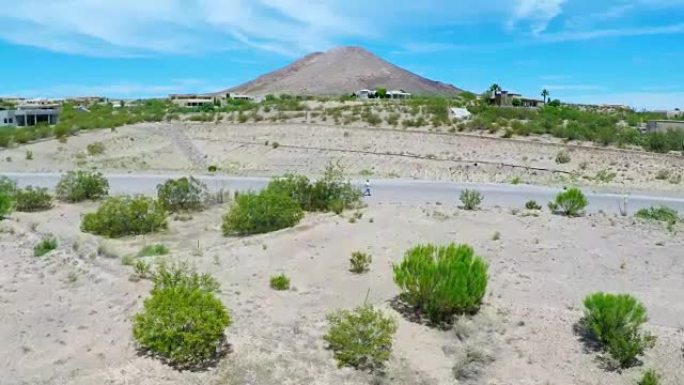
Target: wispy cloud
[[538, 12], [608, 33]]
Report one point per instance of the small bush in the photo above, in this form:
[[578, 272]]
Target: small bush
[[32, 199], [360, 262], [153, 250], [6, 204], [45, 246], [361, 338], [570, 202], [563, 157], [275, 145], [181, 274], [212, 168], [650, 377], [471, 199], [532, 205], [442, 281], [77, 186], [29, 155], [142, 269], [663, 174], [182, 321], [122, 216], [614, 322], [280, 282], [182, 194], [96, 148], [663, 214], [264, 212]]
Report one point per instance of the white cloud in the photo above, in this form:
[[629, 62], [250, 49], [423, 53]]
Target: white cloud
[[617, 32], [538, 12]]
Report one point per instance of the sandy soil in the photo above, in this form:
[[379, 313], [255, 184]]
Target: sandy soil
[[249, 149], [65, 317]]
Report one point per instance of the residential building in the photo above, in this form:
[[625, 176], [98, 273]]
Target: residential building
[[510, 99], [239, 97], [663, 125], [191, 100], [30, 115], [398, 94], [364, 94]]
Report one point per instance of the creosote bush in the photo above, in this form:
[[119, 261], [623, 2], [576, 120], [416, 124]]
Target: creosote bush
[[280, 282], [471, 199], [563, 157], [532, 205], [361, 338], [96, 148], [570, 202], [182, 321], [182, 194], [125, 215], [32, 199], [153, 250], [77, 186], [614, 321], [257, 213], [45, 246], [440, 281], [360, 262], [663, 214], [6, 204]]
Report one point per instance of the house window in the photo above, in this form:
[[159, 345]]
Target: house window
[[5, 120]]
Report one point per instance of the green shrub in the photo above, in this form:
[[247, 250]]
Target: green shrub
[[275, 145], [153, 250], [361, 338], [182, 194], [280, 282], [330, 193], [570, 202], [563, 157], [122, 216], [45, 246], [32, 199], [7, 185], [180, 274], [360, 262], [182, 321], [442, 281], [650, 377], [212, 168], [471, 199], [77, 186], [663, 214], [6, 204], [142, 269], [532, 205], [614, 322], [96, 148], [264, 212], [29, 155]]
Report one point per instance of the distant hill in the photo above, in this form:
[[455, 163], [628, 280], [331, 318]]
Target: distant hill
[[341, 71]]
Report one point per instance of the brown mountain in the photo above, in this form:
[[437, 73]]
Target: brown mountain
[[341, 71]]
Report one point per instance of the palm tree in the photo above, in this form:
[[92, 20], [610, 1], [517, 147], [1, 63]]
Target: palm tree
[[545, 94], [495, 88]]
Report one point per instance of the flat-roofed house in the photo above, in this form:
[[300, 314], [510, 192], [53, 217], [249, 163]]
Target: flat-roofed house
[[191, 100], [398, 94], [30, 115], [664, 125]]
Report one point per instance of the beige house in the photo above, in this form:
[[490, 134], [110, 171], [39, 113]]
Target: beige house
[[191, 100], [664, 125], [506, 99]]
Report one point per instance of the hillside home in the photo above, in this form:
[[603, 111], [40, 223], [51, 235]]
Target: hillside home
[[364, 94], [663, 126], [398, 94], [510, 99], [30, 115], [191, 100]]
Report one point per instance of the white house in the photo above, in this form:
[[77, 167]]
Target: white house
[[398, 94], [364, 94]]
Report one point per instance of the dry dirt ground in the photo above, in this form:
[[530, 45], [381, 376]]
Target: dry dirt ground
[[272, 149], [65, 318]]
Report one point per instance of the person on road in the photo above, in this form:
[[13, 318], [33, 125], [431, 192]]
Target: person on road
[[366, 188]]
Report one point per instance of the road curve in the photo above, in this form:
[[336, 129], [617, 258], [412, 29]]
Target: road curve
[[384, 191]]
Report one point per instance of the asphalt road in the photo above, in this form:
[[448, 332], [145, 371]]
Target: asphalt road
[[386, 191]]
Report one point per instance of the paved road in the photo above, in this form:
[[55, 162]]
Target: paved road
[[385, 191]]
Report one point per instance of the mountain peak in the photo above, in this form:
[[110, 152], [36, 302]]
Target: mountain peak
[[339, 71]]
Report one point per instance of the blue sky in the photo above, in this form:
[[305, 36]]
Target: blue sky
[[602, 51]]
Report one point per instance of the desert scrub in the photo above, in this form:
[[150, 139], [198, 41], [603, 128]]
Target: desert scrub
[[280, 282], [260, 213], [96, 148], [6, 204], [77, 186], [182, 194], [125, 215], [45, 246], [614, 321], [662, 213], [182, 320], [360, 262], [153, 250], [650, 377], [563, 157], [142, 269], [32, 199], [570, 202], [440, 281], [361, 338], [330, 193], [532, 205], [471, 199]]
